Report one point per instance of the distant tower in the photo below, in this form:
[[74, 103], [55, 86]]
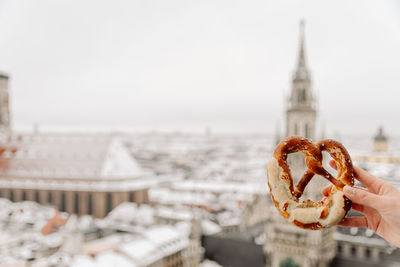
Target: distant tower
[[287, 245], [4, 105], [380, 141], [301, 113], [193, 254]]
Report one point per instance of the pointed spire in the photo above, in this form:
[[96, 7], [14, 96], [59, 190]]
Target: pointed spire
[[301, 70], [302, 59]]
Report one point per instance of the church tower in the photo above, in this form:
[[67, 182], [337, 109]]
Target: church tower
[[301, 107], [287, 245], [4, 105]]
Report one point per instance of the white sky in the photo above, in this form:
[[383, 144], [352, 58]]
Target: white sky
[[195, 64]]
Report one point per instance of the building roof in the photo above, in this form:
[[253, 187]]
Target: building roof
[[66, 156], [78, 162], [140, 249]]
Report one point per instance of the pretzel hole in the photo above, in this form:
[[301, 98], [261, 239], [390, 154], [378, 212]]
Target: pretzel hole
[[297, 166], [312, 191], [326, 157]]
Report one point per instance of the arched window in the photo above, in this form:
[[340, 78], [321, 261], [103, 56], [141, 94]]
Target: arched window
[[368, 253], [23, 195], [89, 203], [301, 95], [353, 251], [11, 195], [339, 249], [108, 202]]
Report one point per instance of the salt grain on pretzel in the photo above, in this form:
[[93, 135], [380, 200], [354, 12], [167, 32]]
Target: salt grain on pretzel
[[308, 214]]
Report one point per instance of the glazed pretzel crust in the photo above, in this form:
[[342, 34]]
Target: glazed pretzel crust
[[308, 214]]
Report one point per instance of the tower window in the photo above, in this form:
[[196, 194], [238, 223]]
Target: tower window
[[368, 253], [23, 195], [339, 249], [301, 95], [353, 251], [307, 130]]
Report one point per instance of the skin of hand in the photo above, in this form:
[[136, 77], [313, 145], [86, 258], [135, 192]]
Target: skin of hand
[[379, 202]]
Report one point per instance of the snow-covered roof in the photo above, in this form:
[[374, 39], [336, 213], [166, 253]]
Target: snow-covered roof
[[72, 156], [170, 197], [140, 249]]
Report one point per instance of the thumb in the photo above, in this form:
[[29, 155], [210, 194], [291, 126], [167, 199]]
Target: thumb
[[363, 197]]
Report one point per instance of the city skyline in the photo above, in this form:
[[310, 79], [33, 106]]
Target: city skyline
[[184, 66]]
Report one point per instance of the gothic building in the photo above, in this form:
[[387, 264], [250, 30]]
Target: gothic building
[[287, 244]]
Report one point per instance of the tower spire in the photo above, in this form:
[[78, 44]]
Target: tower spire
[[301, 70], [302, 60]]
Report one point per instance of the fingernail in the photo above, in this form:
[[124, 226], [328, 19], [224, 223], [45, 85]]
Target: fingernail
[[348, 190]]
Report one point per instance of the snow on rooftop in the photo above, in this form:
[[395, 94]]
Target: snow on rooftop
[[210, 228], [129, 212], [167, 196], [111, 258], [220, 187], [140, 249], [68, 156], [118, 162]]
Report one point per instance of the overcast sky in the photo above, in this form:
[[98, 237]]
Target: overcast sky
[[189, 65]]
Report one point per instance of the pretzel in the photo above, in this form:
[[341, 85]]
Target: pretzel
[[308, 214]]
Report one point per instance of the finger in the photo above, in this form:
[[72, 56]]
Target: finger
[[364, 209], [333, 164], [363, 197], [325, 191], [358, 207], [354, 222], [371, 182]]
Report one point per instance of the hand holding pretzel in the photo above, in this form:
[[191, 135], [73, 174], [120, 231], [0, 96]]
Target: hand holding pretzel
[[379, 202], [308, 214]]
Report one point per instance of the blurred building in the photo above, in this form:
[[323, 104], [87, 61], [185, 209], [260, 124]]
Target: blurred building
[[380, 141], [381, 153], [77, 173], [4, 104]]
